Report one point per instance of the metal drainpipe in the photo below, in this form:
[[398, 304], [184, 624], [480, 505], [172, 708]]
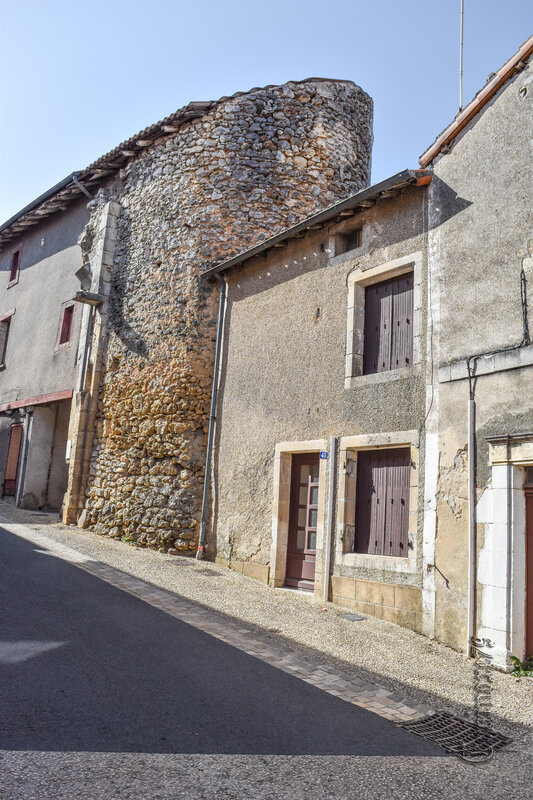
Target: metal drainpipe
[[509, 587], [471, 517], [212, 417], [86, 349], [22, 466], [329, 523]]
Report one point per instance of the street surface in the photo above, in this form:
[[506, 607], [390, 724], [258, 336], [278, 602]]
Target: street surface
[[105, 696]]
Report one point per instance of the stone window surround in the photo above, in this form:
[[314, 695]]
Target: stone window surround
[[502, 559], [349, 447], [281, 507], [357, 280]]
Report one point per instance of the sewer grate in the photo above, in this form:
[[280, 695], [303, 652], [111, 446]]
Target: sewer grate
[[465, 739], [352, 617]]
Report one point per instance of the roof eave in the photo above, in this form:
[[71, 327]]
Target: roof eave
[[400, 180], [514, 64]]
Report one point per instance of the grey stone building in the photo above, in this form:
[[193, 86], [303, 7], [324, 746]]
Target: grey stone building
[[390, 342]]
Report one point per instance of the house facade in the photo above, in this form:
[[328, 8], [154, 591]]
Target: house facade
[[40, 343], [307, 414], [373, 436]]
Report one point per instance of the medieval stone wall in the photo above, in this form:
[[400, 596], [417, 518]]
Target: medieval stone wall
[[255, 164]]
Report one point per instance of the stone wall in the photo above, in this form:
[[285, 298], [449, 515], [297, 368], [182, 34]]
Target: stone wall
[[255, 164]]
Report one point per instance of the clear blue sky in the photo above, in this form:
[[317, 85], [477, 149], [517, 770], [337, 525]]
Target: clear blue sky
[[81, 76]]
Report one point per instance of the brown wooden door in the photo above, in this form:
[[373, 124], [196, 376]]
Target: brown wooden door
[[529, 572], [301, 550], [13, 455]]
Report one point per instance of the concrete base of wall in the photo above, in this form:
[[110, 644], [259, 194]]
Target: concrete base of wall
[[391, 602], [261, 572]]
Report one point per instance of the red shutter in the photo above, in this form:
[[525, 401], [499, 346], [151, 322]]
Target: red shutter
[[66, 325]]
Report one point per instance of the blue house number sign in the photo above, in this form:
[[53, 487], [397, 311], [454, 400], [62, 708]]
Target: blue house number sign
[[323, 454]]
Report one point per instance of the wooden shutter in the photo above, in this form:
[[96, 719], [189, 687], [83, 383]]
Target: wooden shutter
[[66, 325], [15, 266], [382, 502], [388, 325], [4, 332]]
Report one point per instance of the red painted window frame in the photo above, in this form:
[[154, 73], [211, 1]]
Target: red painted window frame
[[16, 257], [68, 305]]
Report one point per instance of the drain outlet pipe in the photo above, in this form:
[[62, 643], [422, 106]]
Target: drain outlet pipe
[[329, 522], [212, 418]]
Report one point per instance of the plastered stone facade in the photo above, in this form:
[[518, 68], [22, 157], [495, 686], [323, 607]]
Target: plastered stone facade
[[255, 164]]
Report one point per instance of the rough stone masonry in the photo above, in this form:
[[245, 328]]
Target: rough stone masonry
[[254, 164]]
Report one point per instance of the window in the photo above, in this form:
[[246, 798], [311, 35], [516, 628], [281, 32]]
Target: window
[[353, 240], [382, 502], [65, 330], [384, 321], [388, 331], [15, 267], [4, 334]]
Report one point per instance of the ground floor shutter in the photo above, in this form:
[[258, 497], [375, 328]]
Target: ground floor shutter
[[382, 502]]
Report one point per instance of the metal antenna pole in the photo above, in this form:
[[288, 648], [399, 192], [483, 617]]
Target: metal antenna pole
[[461, 56]]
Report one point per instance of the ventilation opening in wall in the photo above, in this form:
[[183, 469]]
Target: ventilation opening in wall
[[353, 239]]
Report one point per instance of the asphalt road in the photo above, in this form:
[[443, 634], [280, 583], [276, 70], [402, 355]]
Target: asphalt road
[[88, 668]]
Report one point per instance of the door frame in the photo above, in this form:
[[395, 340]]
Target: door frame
[[17, 469], [281, 509]]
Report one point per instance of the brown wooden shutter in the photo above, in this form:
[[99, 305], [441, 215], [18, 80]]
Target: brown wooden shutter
[[388, 342], [382, 502]]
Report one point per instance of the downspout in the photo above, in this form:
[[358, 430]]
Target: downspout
[[509, 587], [329, 522], [86, 349], [22, 466], [472, 576], [212, 417], [472, 539]]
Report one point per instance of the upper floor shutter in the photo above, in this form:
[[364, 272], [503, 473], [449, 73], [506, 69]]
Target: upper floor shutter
[[388, 335]]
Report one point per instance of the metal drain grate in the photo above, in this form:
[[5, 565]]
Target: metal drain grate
[[352, 617], [467, 740]]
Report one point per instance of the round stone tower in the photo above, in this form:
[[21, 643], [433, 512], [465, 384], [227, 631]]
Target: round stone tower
[[252, 165]]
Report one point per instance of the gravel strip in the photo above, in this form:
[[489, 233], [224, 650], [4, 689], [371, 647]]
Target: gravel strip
[[404, 662]]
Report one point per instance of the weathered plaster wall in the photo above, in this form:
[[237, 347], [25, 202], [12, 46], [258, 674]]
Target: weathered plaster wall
[[284, 362], [50, 257], [253, 165], [480, 208]]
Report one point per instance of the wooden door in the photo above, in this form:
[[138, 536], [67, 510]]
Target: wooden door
[[13, 455], [303, 513], [529, 571]]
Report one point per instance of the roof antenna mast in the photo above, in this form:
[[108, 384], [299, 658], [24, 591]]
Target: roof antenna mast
[[461, 55]]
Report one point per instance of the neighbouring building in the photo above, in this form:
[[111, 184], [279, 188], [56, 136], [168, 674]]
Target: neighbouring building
[[389, 342], [39, 346]]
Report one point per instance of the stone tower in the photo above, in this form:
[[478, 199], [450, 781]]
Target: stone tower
[[254, 164]]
